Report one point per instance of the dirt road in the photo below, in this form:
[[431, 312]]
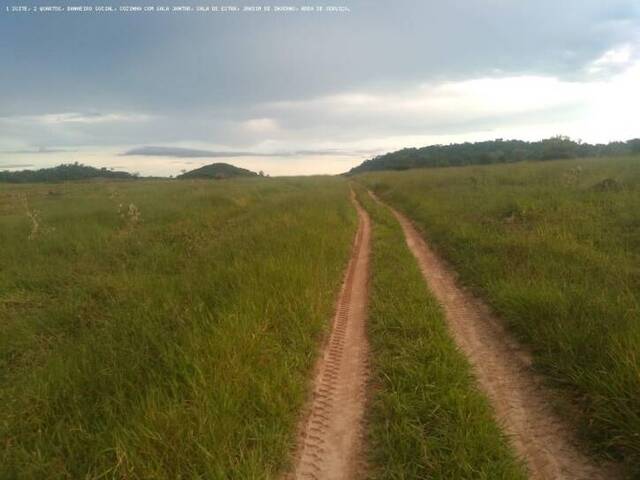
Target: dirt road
[[330, 443], [503, 370]]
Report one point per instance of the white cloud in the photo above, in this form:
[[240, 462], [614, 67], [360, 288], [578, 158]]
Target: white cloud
[[599, 110], [261, 125], [616, 58], [450, 100], [85, 118], [78, 118]]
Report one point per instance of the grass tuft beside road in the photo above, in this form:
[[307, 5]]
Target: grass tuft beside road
[[163, 330], [555, 249], [427, 418]]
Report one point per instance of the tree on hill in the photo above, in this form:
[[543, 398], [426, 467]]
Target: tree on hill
[[634, 145], [558, 148]]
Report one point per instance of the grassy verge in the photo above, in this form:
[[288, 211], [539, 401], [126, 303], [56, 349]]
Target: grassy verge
[[162, 329], [554, 247], [427, 419]]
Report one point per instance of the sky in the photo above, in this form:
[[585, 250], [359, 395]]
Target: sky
[[294, 93]]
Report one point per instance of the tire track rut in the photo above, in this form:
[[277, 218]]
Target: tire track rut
[[330, 443], [503, 370]]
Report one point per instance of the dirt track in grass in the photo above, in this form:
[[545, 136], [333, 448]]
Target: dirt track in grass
[[503, 370], [330, 442]]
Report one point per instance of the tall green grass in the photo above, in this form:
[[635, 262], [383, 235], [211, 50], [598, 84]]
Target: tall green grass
[[555, 249], [427, 418], [172, 339]]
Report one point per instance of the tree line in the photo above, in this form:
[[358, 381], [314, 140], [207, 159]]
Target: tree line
[[494, 151], [64, 172]]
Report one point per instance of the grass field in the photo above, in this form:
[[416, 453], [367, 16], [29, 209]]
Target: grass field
[[555, 248], [163, 329], [427, 418], [167, 329]]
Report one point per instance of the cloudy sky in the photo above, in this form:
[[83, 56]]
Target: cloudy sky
[[299, 93]]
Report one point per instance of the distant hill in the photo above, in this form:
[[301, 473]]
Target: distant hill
[[218, 171], [495, 151], [64, 172]]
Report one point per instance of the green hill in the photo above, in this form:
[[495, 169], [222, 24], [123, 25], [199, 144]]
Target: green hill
[[61, 173], [218, 171], [494, 151]]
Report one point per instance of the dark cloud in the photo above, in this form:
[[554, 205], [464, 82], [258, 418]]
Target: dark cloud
[[183, 153], [182, 63], [39, 150], [197, 153], [15, 165]]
